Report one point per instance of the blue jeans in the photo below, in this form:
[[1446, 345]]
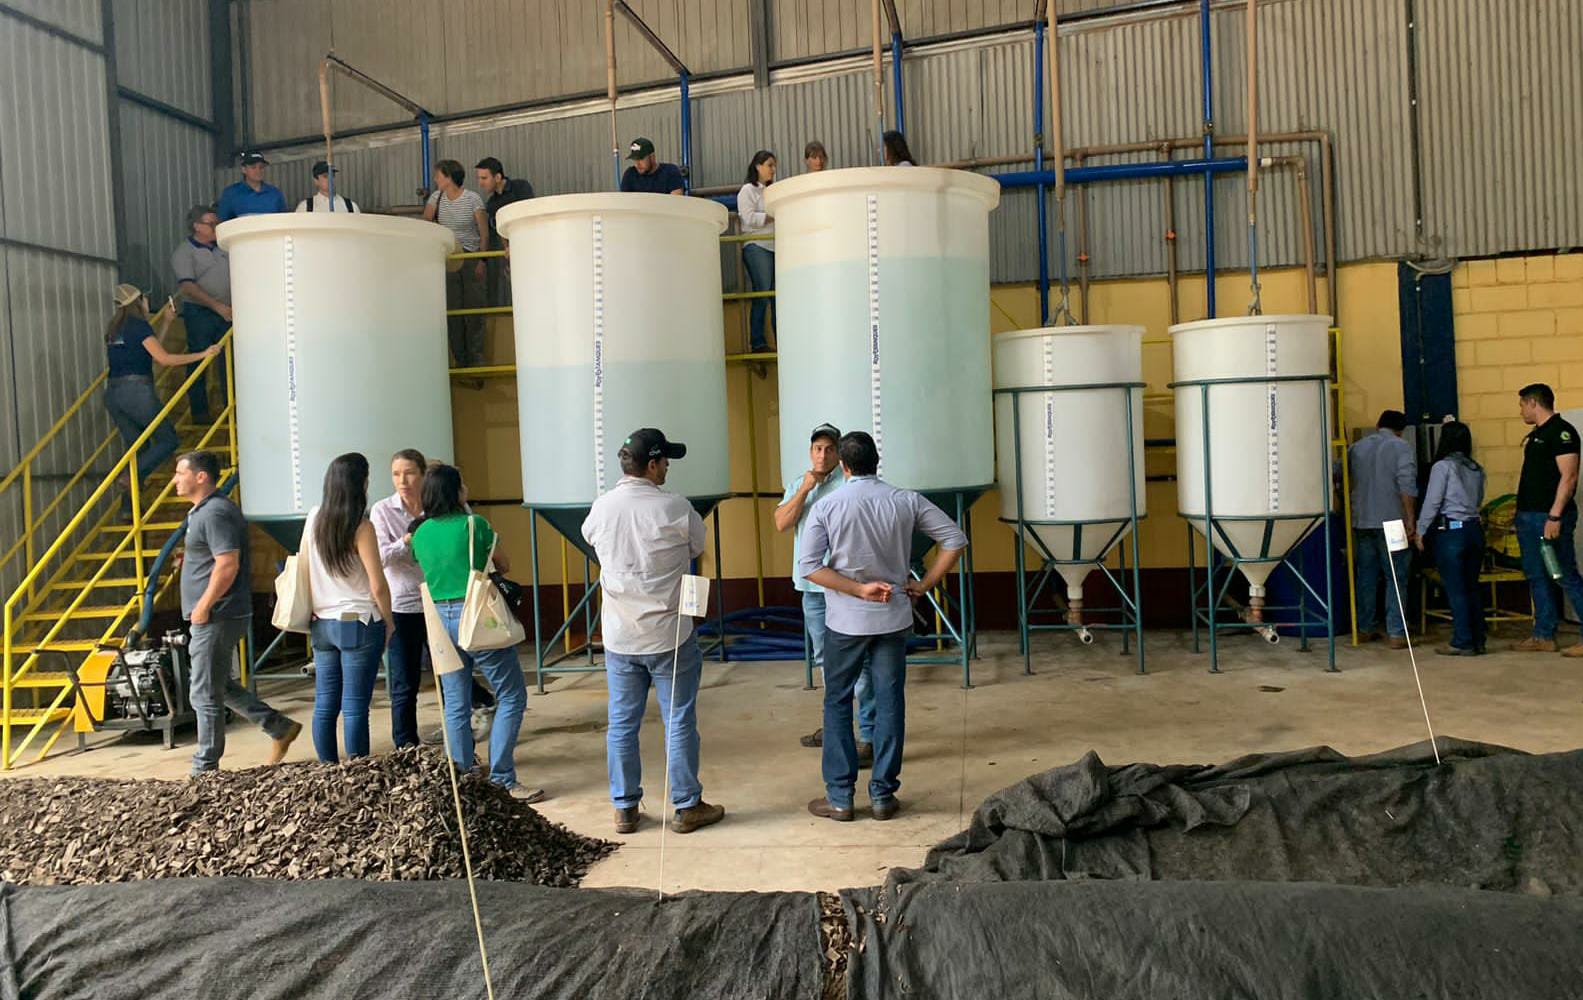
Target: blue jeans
[[211, 690], [1371, 553], [133, 404], [1459, 553], [1530, 536], [629, 677], [759, 262], [886, 657], [504, 673], [345, 665], [813, 622], [403, 671], [205, 327]]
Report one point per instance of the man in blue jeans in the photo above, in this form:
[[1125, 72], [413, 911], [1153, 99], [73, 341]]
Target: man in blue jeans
[[857, 545], [823, 477], [644, 538], [1547, 514], [1384, 488]]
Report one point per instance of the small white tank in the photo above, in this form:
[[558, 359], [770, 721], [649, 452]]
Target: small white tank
[[618, 323], [1269, 441], [882, 275], [340, 346], [1076, 490]]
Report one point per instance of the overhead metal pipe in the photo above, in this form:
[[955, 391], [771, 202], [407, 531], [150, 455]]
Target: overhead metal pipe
[[1204, 55], [896, 82], [324, 111], [610, 88], [879, 87], [1123, 171]]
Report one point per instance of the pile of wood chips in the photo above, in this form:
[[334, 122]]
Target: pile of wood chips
[[384, 818]]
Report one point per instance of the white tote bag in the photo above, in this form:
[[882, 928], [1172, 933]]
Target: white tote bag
[[442, 651], [487, 621], [293, 591]]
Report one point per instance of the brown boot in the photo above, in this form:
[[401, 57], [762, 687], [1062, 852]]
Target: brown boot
[[824, 810], [813, 739], [886, 809], [627, 820], [696, 817], [282, 743], [1534, 644], [1573, 651], [1396, 642]]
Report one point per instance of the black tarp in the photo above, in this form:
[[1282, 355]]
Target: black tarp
[[277, 940], [1175, 940], [1487, 817]]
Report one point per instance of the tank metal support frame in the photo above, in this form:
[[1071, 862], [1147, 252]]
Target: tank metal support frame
[[1129, 608], [1208, 600], [548, 660], [957, 624]]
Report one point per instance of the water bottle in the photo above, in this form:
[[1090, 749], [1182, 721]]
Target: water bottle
[[1547, 551]]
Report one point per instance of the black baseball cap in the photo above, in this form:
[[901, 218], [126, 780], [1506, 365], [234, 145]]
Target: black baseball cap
[[830, 431], [321, 168], [640, 148], [248, 159], [647, 444]]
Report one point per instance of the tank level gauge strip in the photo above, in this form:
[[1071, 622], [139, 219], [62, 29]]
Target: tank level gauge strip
[[1272, 368], [599, 354], [293, 422], [1049, 428], [874, 397]]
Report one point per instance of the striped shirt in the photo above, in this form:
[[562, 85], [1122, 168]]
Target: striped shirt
[[456, 214]]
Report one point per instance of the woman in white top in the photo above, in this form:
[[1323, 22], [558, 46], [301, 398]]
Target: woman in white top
[[758, 257], [351, 607], [393, 517], [462, 212]]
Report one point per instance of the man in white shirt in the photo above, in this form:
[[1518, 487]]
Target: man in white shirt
[[320, 202], [644, 538]]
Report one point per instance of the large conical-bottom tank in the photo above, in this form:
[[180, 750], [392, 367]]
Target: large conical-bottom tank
[[340, 346], [1077, 453], [617, 311], [882, 279], [1263, 381]]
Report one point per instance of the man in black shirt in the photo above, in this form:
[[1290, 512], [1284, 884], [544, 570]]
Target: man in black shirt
[[1547, 514], [499, 191], [649, 176]]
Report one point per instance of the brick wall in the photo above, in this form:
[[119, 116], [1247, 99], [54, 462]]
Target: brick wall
[[1518, 320]]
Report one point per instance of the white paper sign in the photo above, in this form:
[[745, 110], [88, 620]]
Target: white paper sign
[[695, 596], [1395, 536]]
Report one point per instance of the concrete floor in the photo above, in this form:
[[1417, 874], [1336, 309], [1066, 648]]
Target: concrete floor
[[962, 745]]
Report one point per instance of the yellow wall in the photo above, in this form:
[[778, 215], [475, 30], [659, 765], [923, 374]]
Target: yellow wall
[[1518, 320], [487, 436]]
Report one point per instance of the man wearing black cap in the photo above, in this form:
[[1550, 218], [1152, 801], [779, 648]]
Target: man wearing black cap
[[320, 202], [644, 538], [823, 477], [649, 176], [252, 195]]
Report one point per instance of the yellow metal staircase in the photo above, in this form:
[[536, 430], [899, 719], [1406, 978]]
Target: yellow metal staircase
[[82, 582]]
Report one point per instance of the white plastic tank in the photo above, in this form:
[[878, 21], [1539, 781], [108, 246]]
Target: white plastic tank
[[1269, 441], [1077, 494], [340, 346], [882, 280], [618, 326]]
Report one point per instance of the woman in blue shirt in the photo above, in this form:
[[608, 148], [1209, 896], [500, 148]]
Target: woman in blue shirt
[[1450, 519], [131, 348]]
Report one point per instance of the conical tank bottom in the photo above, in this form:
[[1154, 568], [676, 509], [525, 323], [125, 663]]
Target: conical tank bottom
[[1079, 548], [1266, 540], [568, 521], [285, 530]]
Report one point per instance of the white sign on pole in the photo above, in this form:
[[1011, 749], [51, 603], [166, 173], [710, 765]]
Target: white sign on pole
[[1395, 536], [695, 596]]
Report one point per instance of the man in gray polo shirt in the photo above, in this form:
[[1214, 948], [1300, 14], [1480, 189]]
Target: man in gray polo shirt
[[857, 544], [203, 279], [217, 599]]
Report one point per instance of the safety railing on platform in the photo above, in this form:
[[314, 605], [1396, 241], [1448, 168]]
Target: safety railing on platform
[[52, 594]]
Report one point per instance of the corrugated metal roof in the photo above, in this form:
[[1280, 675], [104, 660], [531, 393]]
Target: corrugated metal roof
[[82, 18], [1501, 119], [53, 117], [162, 51], [165, 170]]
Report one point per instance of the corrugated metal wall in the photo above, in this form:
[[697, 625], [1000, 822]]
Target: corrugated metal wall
[[1501, 99], [162, 51], [804, 28]]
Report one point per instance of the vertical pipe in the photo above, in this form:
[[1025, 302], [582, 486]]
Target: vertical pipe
[[879, 88], [1082, 245], [324, 112], [1204, 56], [423, 139], [896, 82], [1327, 190], [610, 88], [1252, 30], [1038, 165], [1170, 243], [1306, 220], [1052, 53], [687, 144]]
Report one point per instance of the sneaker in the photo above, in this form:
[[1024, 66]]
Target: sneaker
[[865, 755], [696, 817], [886, 809], [528, 795], [282, 743], [1396, 642], [1534, 644], [627, 820], [824, 810], [1573, 651], [813, 739]]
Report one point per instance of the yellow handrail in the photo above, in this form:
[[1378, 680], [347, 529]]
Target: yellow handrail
[[54, 430]]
